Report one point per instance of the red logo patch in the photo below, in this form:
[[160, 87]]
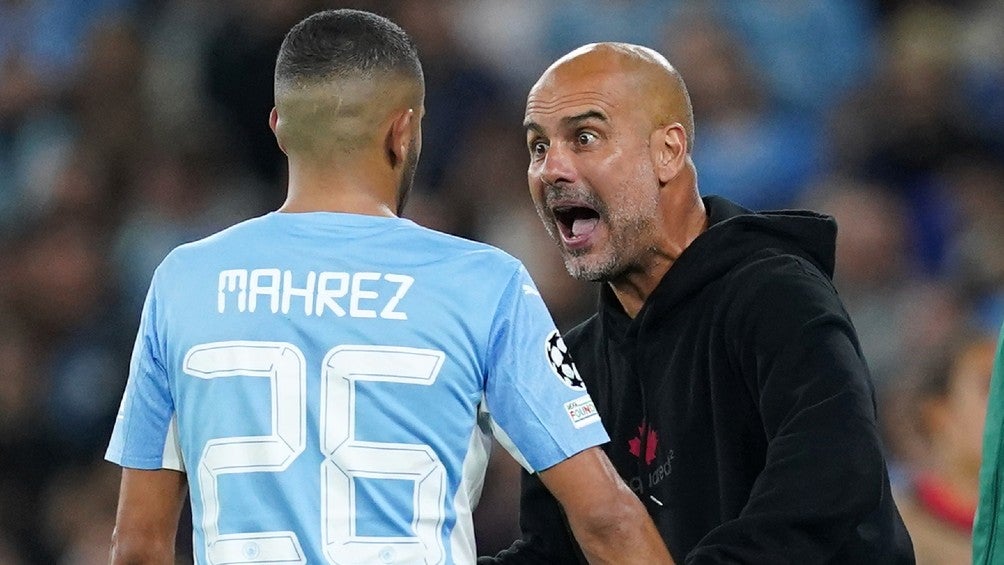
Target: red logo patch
[[651, 442]]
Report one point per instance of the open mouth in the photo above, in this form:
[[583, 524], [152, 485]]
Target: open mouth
[[576, 223]]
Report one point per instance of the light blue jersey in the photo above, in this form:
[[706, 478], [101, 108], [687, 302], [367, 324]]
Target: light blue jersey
[[327, 382]]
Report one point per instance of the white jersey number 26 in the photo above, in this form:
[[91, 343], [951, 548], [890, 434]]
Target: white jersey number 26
[[345, 457]]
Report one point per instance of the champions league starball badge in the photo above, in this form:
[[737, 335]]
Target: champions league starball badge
[[561, 362]]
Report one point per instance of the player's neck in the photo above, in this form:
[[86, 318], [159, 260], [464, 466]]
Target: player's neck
[[351, 190], [346, 203]]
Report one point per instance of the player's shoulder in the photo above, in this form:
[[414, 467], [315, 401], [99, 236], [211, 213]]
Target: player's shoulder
[[779, 291], [453, 242], [463, 249], [235, 235], [777, 272]]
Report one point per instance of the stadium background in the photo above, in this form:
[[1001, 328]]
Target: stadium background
[[130, 126]]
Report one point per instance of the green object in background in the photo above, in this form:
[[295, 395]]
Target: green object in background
[[988, 529]]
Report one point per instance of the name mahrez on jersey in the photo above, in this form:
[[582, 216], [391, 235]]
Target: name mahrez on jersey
[[358, 295]]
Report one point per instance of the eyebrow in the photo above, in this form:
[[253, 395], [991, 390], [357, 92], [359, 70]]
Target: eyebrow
[[569, 120]]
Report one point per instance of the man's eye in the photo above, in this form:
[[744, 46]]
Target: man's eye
[[538, 148], [585, 138]]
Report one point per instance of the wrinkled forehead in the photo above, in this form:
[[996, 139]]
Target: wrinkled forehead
[[558, 95]]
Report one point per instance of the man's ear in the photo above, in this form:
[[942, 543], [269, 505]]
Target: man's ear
[[400, 137], [273, 124], [669, 151]]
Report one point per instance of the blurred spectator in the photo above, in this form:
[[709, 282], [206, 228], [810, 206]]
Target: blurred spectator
[[47, 34], [61, 294], [78, 510], [878, 277], [63, 357], [24, 456], [910, 119], [571, 23], [458, 91], [747, 147], [982, 47], [975, 189], [106, 102], [810, 52], [504, 36], [173, 82], [238, 72], [41, 132], [944, 404]]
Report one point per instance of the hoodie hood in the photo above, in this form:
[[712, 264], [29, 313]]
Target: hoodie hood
[[734, 235]]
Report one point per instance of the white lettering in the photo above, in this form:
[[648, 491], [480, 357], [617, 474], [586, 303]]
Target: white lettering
[[232, 280], [326, 297], [404, 282], [367, 293], [270, 290], [359, 294], [289, 291]]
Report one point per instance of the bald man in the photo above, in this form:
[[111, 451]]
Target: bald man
[[320, 382], [721, 360]]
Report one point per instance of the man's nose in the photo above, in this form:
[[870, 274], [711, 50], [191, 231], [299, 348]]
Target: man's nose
[[558, 165]]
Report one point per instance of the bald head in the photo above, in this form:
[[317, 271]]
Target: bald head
[[655, 85], [340, 74]]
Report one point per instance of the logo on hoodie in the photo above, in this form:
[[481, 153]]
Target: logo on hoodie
[[561, 361], [651, 441]]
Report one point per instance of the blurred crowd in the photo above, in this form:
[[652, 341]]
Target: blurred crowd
[[128, 127]]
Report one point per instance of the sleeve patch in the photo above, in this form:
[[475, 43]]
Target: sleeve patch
[[561, 362], [582, 411]]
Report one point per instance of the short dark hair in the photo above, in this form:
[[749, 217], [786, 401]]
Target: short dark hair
[[345, 43]]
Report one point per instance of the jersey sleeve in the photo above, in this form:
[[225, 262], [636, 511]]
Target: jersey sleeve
[[540, 409], [145, 435]]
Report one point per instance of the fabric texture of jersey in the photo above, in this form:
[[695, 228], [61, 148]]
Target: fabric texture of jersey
[[988, 529], [328, 383], [739, 406]]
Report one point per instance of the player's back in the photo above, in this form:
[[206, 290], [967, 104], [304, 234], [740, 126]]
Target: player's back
[[326, 371]]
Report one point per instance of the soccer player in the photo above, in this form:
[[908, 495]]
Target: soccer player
[[320, 380]]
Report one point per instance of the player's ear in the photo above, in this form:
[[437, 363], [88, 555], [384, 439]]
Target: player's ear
[[273, 124], [669, 151], [400, 137]]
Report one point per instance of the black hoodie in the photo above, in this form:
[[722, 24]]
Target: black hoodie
[[739, 406]]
